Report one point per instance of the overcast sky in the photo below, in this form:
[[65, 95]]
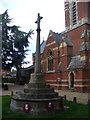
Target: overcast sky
[[24, 14]]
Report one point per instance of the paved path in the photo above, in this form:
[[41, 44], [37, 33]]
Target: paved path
[[81, 97], [12, 87]]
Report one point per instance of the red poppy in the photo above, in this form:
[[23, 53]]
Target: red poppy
[[26, 107], [49, 105]]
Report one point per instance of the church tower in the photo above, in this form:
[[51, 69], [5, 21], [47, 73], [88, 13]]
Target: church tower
[[77, 19], [76, 13]]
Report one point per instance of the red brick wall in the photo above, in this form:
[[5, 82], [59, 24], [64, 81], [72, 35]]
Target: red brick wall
[[89, 9], [34, 58], [55, 52], [67, 18], [75, 35], [66, 57], [79, 74], [82, 8]]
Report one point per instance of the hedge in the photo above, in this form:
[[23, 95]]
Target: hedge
[[8, 80]]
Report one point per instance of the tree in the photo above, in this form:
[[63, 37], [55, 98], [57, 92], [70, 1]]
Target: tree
[[14, 43]]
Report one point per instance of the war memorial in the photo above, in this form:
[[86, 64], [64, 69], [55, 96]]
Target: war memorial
[[37, 98]]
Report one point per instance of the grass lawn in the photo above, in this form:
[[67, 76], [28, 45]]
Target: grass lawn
[[76, 111]]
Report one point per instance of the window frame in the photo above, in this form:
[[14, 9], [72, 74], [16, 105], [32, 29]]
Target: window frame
[[50, 58]]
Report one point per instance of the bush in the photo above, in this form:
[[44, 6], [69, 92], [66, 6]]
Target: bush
[[8, 80], [4, 80], [11, 80]]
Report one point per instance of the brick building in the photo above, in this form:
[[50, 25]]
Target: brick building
[[65, 57]]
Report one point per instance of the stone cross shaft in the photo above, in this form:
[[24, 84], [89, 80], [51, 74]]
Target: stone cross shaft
[[37, 56]]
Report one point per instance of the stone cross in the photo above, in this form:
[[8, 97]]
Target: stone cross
[[37, 56]]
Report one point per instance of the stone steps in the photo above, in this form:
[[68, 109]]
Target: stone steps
[[37, 85], [37, 95], [38, 90]]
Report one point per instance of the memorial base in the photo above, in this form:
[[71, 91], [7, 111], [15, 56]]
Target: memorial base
[[37, 98]]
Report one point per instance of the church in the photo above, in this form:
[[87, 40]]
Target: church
[[65, 56]]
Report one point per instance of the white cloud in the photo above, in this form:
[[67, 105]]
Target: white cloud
[[24, 14]]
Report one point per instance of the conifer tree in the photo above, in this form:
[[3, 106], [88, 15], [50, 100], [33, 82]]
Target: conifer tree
[[14, 43]]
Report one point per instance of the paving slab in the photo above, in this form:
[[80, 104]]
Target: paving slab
[[70, 95], [12, 87]]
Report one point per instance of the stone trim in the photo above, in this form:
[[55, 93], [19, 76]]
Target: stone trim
[[63, 44], [56, 81], [83, 58], [66, 85], [79, 23], [66, 5], [80, 80], [56, 48], [81, 85], [53, 71], [76, 80], [51, 81], [64, 80], [50, 43], [58, 85], [44, 60]]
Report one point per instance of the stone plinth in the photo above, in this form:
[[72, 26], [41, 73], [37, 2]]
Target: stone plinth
[[38, 96]]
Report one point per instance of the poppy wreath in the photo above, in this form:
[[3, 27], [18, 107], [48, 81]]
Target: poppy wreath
[[26, 107], [49, 106]]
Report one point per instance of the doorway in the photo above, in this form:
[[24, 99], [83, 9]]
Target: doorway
[[71, 80]]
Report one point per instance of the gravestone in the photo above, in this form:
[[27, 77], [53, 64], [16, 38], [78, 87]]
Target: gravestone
[[37, 98]]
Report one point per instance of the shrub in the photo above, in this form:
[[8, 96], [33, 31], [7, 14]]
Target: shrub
[[4, 80], [8, 80], [11, 80]]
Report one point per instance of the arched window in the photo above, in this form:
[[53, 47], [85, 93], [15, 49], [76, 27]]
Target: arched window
[[50, 60]]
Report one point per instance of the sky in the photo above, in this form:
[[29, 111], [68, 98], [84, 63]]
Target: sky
[[24, 14]]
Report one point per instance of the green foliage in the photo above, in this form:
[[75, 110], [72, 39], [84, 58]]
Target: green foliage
[[4, 80], [76, 111], [14, 43], [8, 80], [13, 71]]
